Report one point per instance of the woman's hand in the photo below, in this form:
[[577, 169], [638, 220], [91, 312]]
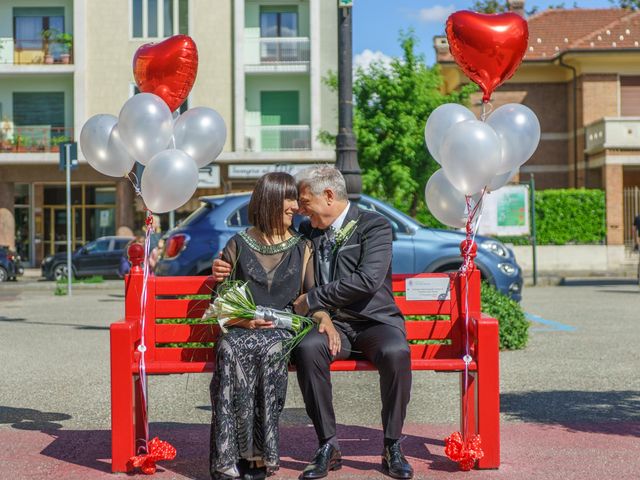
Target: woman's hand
[[220, 269], [326, 326], [249, 324]]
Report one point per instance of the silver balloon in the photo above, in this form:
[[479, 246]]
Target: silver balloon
[[470, 155], [102, 147], [145, 125], [519, 131], [169, 181], [501, 179], [445, 202], [200, 132], [439, 122]]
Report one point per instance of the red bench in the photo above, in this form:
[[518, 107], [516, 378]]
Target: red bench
[[165, 300]]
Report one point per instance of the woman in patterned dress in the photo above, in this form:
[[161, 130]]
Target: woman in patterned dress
[[249, 383]]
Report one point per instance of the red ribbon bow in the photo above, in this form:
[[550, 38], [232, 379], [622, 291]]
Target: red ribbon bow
[[157, 450], [466, 456]]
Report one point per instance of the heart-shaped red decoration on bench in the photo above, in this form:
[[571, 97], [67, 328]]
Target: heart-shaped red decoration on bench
[[167, 69], [488, 48]]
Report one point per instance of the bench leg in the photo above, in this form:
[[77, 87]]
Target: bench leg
[[141, 434], [122, 432], [489, 392]]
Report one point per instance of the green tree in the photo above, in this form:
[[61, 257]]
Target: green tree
[[489, 6], [392, 104], [629, 4]]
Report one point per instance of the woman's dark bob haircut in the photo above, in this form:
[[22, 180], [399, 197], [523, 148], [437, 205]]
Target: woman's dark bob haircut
[[266, 207]]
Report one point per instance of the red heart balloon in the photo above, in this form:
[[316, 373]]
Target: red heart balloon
[[167, 69], [488, 48]]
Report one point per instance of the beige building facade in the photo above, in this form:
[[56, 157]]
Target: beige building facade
[[581, 76], [261, 64]]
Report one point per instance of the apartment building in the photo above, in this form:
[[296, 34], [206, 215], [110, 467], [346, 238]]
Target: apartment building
[[581, 76], [261, 64]]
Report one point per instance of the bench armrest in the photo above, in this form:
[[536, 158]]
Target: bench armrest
[[123, 339]]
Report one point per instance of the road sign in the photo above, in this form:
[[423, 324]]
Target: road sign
[[506, 212], [345, 3], [62, 164]]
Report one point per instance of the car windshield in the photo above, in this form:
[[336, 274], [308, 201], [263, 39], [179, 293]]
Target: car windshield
[[397, 219], [196, 215], [98, 246]]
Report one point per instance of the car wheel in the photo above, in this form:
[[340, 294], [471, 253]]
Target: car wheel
[[4, 276], [59, 272]]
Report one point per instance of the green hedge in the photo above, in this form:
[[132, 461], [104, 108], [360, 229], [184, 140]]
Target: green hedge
[[567, 216], [514, 327], [564, 216]]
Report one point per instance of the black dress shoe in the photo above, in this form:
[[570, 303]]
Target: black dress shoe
[[327, 458], [394, 464]]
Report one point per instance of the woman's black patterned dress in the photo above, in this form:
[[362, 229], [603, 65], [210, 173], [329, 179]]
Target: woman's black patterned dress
[[249, 382]]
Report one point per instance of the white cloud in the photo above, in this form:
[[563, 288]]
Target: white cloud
[[367, 57], [437, 13]]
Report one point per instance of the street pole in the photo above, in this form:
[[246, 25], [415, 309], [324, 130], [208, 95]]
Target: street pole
[[346, 150], [68, 171], [532, 199]]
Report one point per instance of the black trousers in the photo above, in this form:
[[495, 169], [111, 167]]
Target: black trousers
[[383, 345]]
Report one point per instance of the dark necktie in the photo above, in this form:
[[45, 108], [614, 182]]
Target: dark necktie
[[327, 242]]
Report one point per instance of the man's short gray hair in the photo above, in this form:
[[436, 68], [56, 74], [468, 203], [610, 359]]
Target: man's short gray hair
[[322, 177]]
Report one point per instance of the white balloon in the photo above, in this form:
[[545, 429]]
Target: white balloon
[[169, 181], [200, 132], [145, 125], [470, 155], [501, 179], [519, 132], [445, 202], [439, 122], [102, 147]]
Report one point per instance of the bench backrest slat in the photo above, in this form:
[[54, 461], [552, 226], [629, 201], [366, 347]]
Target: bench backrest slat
[[164, 302], [184, 285], [180, 308], [181, 333]]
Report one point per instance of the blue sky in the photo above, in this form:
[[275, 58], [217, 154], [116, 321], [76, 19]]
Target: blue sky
[[376, 23]]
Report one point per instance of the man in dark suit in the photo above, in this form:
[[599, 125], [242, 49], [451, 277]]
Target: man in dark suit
[[353, 249], [353, 277]]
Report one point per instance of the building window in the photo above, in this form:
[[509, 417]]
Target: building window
[[22, 213], [38, 117], [30, 23], [629, 96], [159, 18], [278, 22]]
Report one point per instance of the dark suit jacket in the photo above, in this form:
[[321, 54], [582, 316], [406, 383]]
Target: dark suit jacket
[[361, 286]]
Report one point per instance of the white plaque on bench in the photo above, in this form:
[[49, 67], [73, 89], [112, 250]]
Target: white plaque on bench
[[427, 288]]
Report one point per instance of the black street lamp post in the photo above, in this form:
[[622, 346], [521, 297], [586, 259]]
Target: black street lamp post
[[346, 150]]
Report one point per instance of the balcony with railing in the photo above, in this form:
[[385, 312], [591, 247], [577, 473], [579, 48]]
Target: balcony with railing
[[33, 138], [55, 49], [612, 133], [277, 138], [277, 54]]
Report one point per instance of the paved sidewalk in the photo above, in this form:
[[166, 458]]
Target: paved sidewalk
[[570, 401]]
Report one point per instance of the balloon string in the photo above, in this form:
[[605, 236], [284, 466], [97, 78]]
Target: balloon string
[[142, 348], [484, 114], [136, 183], [473, 223]]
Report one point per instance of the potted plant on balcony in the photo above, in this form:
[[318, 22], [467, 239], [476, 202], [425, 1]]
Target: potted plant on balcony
[[48, 38], [66, 41]]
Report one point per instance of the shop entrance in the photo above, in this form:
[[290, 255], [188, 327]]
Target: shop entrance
[[92, 216]]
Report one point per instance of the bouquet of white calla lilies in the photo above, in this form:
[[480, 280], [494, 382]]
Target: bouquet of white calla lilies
[[234, 302]]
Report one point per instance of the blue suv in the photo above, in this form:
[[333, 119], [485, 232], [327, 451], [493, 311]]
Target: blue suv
[[191, 247]]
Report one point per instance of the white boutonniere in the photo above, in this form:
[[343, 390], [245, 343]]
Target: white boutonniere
[[344, 233]]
